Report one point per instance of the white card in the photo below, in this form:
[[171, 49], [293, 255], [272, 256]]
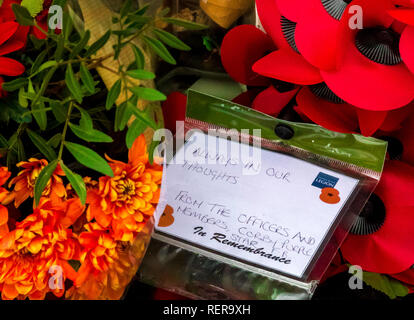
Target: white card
[[273, 211]]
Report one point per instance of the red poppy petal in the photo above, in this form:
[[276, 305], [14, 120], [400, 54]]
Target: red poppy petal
[[395, 117], [295, 10], [405, 276], [404, 3], [407, 47], [404, 15], [241, 48], [370, 121], [247, 98], [369, 85], [389, 250], [7, 30], [21, 34], [317, 42], [396, 184], [10, 46], [271, 101], [270, 19], [336, 117], [10, 67], [287, 66], [174, 110]]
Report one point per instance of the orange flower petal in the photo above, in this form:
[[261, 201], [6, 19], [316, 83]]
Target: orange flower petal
[[4, 215]]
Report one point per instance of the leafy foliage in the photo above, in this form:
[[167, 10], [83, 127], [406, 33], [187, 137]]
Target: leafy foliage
[[392, 288], [55, 90]]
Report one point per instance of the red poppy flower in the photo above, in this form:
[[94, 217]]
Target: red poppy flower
[[319, 104], [370, 69], [241, 48], [6, 14], [386, 225], [9, 43]]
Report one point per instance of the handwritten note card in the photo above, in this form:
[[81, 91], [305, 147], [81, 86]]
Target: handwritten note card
[[273, 211]]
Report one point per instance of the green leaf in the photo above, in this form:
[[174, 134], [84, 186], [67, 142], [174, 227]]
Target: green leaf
[[42, 145], [139, 19], [59, 111], [22, 99], [148, 94], [160, 49], [39, 60], [43, 179], [33, 6], [90, 135], [44, 66], [134, 131], [119, 116], [89, 158], [139, 57], [87, 78], [391, 287], [142, 10], [113, 94], [86, 120], [55, 140], [186, 24], [60, 48], [67, 25], [39, 114], [81, 45], [15, 84], [23, 16], [21, 155], [141, 74], [151, 150], [44, 85], [98, 44], [76, 181], [171, 40], [126, 8], [143, 116], [73, 84]]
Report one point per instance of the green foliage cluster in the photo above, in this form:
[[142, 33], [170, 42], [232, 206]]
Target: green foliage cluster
[[51, 95]]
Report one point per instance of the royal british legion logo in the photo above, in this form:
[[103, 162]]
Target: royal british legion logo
[[324, 180]]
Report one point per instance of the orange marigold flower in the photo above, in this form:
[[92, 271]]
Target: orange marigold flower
[[33, 257], [4, 214], [120, 267], [125, 201], [98, 251], [26, 180]]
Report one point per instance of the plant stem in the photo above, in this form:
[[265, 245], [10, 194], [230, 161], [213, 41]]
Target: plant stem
[[65, 130]]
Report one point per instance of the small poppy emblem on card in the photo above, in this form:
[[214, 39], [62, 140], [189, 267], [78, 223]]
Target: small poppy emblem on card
[[167, 218], [330, 196]]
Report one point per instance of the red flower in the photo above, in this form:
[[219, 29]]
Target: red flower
[[241, 48], [10, 41], [388, 225], [363, 67], [351, 89]]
